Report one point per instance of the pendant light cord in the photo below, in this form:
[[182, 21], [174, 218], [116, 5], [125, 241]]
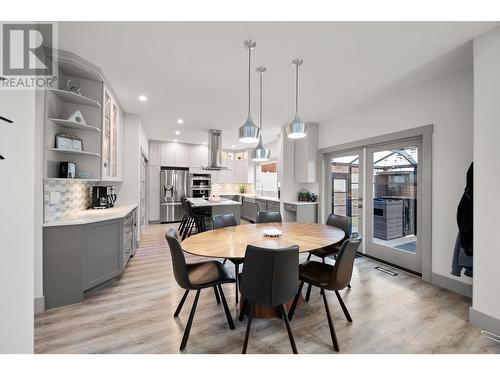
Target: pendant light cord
[[260, 110], [249, 53], [296, 89]]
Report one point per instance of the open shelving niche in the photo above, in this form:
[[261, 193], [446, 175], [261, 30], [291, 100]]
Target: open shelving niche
[[60, 103]]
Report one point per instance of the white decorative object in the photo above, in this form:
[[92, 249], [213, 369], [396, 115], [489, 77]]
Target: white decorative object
[[77, 117], [271, 232]]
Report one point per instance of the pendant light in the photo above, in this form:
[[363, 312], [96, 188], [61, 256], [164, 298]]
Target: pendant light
[[260, 153], [297, 129], [249, 132]]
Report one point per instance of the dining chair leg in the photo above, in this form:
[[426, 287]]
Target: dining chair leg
[[243, 310], [181, 225], [344, 308], [309, 256], [295, 301], [190, 321], [308, 294], [226, 308], [323, 260], [181, 303], [249, 324], [216, 295], [288, 329], [187, 228], [330, 323], [193, 224], [236, 272]]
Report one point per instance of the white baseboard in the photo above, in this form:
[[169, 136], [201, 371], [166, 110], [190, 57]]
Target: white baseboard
[[454, 285], [39, 304], [484, 321]]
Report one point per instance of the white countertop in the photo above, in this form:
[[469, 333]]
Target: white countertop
[[300, 203], [93, 216], [200, 202], [256, 196]]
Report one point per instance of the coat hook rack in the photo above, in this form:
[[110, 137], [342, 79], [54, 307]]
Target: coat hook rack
[[6, 120]]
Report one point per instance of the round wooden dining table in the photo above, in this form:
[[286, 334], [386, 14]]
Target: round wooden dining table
[[231, 242]]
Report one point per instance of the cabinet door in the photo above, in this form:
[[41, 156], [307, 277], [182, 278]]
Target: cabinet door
[[181, 152], [154, 153], [110, 138], [154, 205], [154, 177], [167, 154], [101, 259]]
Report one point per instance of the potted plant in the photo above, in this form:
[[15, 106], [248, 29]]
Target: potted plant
[[303, 195], [242, 188]]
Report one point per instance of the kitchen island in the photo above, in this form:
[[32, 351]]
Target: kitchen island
[[217, 207]]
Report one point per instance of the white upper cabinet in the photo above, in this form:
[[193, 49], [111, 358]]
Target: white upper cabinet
[[198, 156], [239, 168], [112, 138], [154, 153], [306, 156]]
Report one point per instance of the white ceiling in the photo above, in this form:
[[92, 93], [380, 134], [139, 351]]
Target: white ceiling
[[198, 70]]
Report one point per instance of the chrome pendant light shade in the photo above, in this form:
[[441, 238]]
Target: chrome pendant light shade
[[249, 132], [297, 128], [260, 153]]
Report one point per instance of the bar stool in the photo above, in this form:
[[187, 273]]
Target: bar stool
[[194, 220]]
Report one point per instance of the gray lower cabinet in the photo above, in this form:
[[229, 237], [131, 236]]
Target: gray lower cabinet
[[77, 258], [249, 209], [273, 206], [101, 254], [302, 213]]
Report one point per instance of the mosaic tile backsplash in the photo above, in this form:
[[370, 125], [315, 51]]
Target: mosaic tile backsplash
[[231, 189], [74, 197]]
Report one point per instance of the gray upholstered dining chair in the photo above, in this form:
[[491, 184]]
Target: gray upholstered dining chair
[[223, 221], [270, 278], [339, 221], [197, 276], [328, 277], [268, 217]]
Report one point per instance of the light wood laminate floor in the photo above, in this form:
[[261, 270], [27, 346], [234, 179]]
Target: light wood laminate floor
[[400, 314]]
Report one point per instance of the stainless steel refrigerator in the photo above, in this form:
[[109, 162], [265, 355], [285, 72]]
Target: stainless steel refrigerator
[[173, 187]]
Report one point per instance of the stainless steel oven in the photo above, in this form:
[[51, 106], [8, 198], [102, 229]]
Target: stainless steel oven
[[200, 185]]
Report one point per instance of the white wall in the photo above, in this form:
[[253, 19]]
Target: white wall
[[486, 298], [135, 137], [446, 102], [17, 223]]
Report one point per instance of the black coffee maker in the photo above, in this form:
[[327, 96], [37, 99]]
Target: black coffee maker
[[103, 196]]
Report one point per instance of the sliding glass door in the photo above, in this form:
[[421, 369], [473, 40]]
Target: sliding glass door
[[345, 184], [393, 181], [392, 174]]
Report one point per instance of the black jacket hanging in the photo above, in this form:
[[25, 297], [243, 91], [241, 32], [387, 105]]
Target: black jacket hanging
[[465, 214]]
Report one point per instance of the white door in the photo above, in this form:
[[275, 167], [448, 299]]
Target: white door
[[345, 186], [393, 203], [142, 213]]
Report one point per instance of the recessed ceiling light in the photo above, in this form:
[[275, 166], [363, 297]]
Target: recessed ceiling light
[[143, 98], [175, 140], [233, 146], [180, 121], [177, 132]]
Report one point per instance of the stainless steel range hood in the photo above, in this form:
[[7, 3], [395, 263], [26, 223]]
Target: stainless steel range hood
[[214, 151]]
